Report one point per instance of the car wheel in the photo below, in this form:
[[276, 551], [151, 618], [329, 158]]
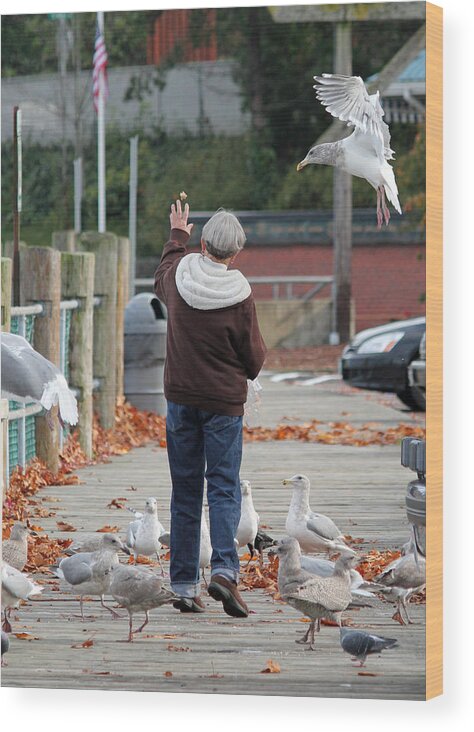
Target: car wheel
[[413, 398]]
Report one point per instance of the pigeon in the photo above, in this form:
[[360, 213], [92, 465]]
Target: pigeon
[[29, 377], [5, 646], [143, 534], [15, 549], [362, 591], [314, 597], [314, 531], [261, 542], [248, 524], [403, 578], [360, 644], [366, 151], [138, 590], [88, 573], [16, 586]]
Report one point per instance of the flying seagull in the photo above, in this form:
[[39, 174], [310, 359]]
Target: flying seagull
[[29, 376], [366, 151]]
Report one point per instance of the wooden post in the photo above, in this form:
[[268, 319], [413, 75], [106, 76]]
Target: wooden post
[[6, 290], [41, 282], [64, 241], [105, 247], [123, 283], [342, 205], [77, 282]]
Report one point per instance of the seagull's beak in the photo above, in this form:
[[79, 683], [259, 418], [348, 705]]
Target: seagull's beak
[[302, 165], [125, 549], [286, 482]]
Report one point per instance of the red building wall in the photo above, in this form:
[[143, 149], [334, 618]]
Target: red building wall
[[171, 29], [388, 282]]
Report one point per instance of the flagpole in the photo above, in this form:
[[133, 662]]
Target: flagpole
[[101, 140]]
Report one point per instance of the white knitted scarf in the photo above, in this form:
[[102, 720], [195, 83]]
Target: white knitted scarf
[[207, 285]]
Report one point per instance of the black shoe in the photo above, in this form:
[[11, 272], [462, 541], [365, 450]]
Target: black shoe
[[189, 605]]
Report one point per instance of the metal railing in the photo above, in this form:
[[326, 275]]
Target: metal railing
[[318, 282]]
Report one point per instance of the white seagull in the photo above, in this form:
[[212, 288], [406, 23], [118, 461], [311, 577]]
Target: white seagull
[[315, 532], [248, 524], [366, 151], [27, 376], [16, 586], [143, 534]]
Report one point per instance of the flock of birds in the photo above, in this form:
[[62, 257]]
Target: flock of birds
[[316, 586]]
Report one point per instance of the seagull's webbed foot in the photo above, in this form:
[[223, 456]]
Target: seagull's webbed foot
[[6, 625], [110, 609]]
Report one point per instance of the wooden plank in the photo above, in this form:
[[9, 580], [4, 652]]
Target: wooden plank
[[434, 348], [104, 246], [77, 281], [41, 282]]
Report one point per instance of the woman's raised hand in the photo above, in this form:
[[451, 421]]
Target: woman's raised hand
[[179, 218]]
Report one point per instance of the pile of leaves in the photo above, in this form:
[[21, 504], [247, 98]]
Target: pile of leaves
[[253, 577], [335, 433], [375, 562]]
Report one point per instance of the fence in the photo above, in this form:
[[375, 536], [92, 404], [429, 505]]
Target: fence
[[72, 312]]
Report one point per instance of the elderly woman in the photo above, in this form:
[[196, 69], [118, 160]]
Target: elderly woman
[[213, 346]]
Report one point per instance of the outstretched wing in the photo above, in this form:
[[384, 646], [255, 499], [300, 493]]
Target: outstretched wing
[[347, 98]]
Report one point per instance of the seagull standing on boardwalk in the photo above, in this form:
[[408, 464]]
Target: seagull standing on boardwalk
[[314, 597], [138, 590], [16, 586], [88, 573], [248, 524], [15, 549], [403, 578], [360, 644], [143, 534], [314, 531], [361, 590], [366, 151], [28, 376]]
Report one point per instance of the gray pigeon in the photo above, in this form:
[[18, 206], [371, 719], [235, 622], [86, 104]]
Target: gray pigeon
[[138, 590], [89, 573], [314, 597], [5, 646], [28, 376], [360, 644]]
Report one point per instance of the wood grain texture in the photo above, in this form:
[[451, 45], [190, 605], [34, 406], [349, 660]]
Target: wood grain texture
[[434, 347]]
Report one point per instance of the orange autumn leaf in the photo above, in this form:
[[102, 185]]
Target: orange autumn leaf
[[272, 667], [168, 674], [108, 529], [25, 636], [86, 644], [64, 526], [365, 673]]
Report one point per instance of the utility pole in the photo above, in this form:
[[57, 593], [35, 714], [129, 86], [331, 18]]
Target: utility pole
[[62, 49], [342, 208], [17, 200]]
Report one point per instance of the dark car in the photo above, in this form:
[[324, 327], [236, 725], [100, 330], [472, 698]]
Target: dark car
[[379, 358]]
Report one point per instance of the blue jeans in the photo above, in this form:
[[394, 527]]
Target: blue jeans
[[203, 445]]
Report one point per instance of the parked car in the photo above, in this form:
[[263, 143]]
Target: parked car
[[379, 359], [417, 375]]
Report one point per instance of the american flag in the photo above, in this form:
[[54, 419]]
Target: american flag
[[99, 68]]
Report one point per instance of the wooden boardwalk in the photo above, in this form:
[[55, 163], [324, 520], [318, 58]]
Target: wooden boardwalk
[[361, 488]]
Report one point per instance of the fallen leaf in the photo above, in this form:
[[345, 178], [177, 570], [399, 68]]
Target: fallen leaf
[[168, 674], [25, 636], [108, 529], [63, 526], [398, 618], [86, 644], [272, 667], [172, 647], [115, 503], [365, 673]]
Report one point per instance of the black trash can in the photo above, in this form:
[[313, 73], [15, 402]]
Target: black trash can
[[145, 352]]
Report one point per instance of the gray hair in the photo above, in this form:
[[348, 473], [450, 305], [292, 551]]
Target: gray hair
[[223, 234]]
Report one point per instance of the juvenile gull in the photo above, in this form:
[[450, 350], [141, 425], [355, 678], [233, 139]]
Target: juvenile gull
[[16, 586], [28, 376], [403, 578], [15, 549], [143, 534], [88, 573], [360, 644], [366, 151], [361, 590], [248, 524], [315, 532], [314, 597], [138, 590], [5, 646]]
